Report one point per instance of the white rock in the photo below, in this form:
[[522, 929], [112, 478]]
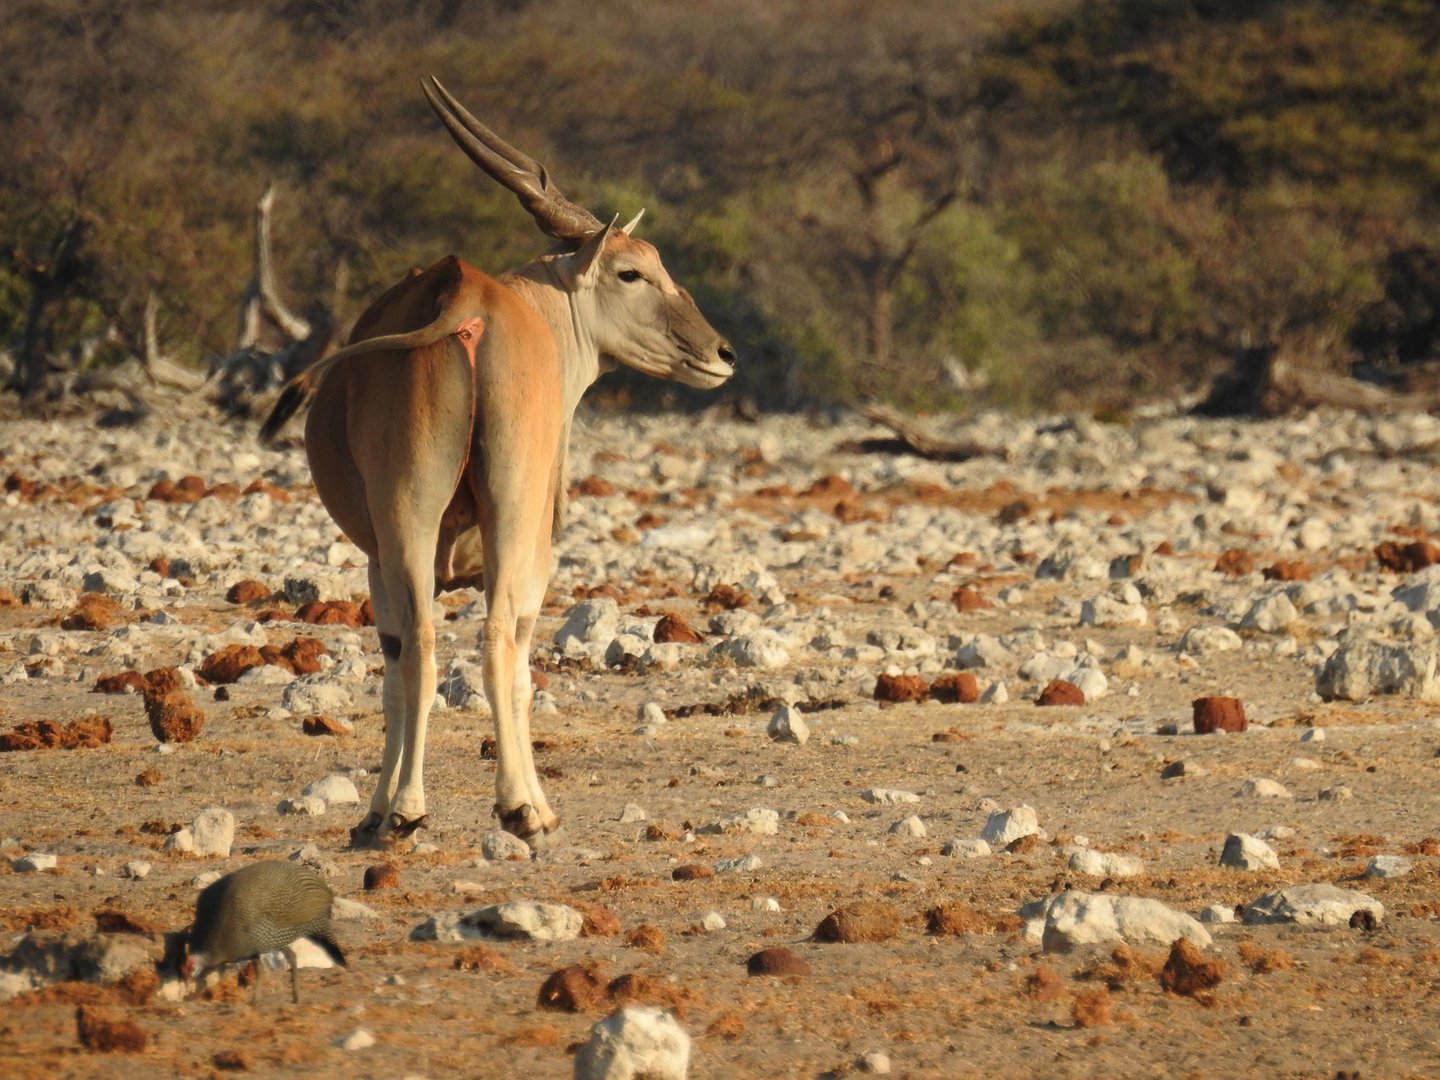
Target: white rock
[[1313, 735], [304, 806], [359, 1039], [995, 694], [1077, 918], [757, 821], [983, 651], [966, 849], [1363, 667], [1091, 681], [342, 907], [1312, 905], [911, 826], [1313, 535], [135, 870], [590, 622], [739, 864], [266, 675], [35, 862], [1218, 913], [1339, 793], [632, 813], [787, 725], [1270, 614], [1209, 640], [512, 919], [1104, 864], [1006, 826], [764, 904], [307, 955], [638, 1042], [213, 831], [759, 649], [1105, 610], [888, 796], [500, 846], [337, 789], [712, 922], [1264, 788], [313, 694], [1245, 852], [651, 713], [1388, 866], [874, 1061], [15, 983]]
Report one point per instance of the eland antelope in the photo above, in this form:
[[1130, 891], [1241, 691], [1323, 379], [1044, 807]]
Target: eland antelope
[[437, 440]]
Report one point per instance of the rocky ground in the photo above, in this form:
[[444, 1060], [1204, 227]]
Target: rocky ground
[[958, 887]]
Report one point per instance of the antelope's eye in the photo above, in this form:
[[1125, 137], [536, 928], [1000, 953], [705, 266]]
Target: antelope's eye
[[629, 275]]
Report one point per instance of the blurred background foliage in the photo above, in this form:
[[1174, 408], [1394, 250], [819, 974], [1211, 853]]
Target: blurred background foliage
[[1031, 203]]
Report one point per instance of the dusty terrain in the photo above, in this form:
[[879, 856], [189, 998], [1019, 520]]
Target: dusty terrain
[[883, 544]]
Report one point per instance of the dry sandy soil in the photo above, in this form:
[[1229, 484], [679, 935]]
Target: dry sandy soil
[[1291, 1001]]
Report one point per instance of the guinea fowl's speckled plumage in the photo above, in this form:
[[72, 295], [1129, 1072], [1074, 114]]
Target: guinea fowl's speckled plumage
[[261, 908]]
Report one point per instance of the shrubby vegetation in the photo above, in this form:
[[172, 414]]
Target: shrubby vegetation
[[1068, 201]]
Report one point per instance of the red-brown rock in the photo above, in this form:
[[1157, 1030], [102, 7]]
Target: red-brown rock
[[124, 682], [956, 688], [381, 876], [865, 920], [1406, 558], [726, 598], [173, 717], [1188, 972], [1213, 714], [572, 989], [595, 487], [1235, 563], [331, 613], [163, 680], [830, 486], [1060, 692], [691, 872], [1044, 985], [83, 734], [323, 725], [966, 599], [105, 1034], [92, 611], [897, 688], [596, 920], [247, 591], [1288, 570], [672, 628], [777, 961], [230, 663]]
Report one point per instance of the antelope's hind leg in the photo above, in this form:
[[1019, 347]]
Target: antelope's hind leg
[[368, 833]]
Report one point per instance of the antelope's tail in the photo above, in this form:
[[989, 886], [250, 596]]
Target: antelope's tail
[[296, 395]]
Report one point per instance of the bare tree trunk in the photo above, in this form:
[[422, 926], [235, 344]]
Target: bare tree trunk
[[261, 297], [253, 368], [160, 368], [49, 281], [880, 324]]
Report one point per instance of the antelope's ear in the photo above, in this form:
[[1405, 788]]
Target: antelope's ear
[[585, 263]]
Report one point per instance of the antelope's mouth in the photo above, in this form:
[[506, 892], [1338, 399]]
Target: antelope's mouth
[[706, 374]]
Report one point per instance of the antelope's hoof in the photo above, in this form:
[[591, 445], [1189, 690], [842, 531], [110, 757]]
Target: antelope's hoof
[[367, 833], [525, 822], [401, 827]]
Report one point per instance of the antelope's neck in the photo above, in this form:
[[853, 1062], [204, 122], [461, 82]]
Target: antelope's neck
[[540, 286]]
